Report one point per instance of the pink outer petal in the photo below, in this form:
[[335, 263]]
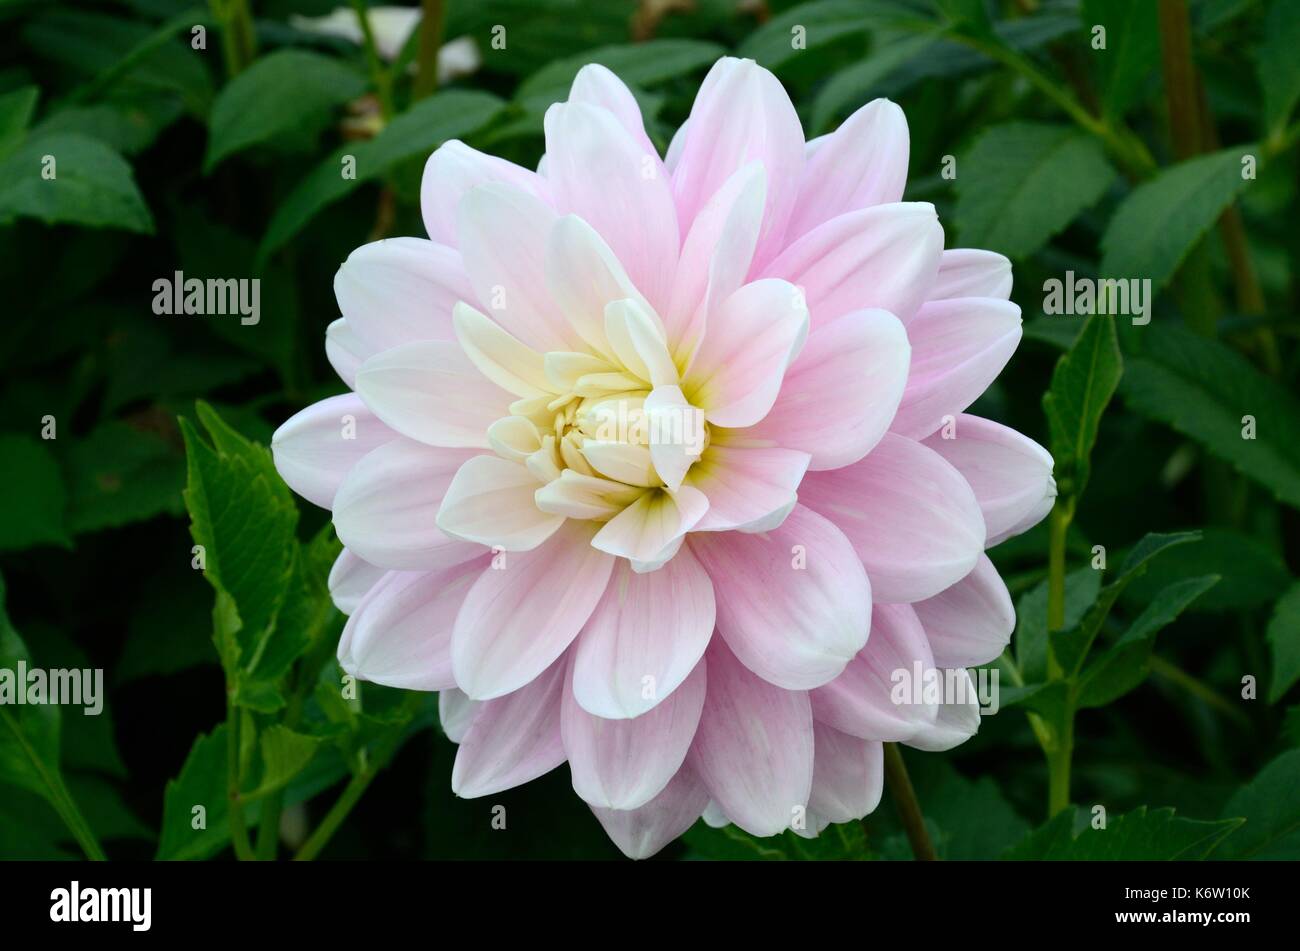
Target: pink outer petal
[[350, 579], [455, 713], [640, 833], [617, 185], [386, 509], [518, 618], [883, 257], [909, 514], [750, 340], [513, 739], [741, 114], [623, 764], [431, 392], [644, 637], [970, 623], [839, 397], [400, 635], [848, 775], [750, 490], [597, 86], [862, 163], [1010, 474], [451, 172], [400, 290], [959, 347], [794, 604], [969, 272], [863, 700], [956, 723], [317, 447], [345, 351], [754, 746]]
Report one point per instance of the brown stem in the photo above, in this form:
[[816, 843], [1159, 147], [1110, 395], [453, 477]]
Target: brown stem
[[909, 810]]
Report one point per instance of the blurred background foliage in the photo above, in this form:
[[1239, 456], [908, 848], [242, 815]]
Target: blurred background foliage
[[222, 159]]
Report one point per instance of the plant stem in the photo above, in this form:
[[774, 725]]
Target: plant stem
[[431, 27], [355, 789], [909, 810], [1057, 526], [1058, 738], [378, 72], [1198, 689], [238, 828], [1059, 756]]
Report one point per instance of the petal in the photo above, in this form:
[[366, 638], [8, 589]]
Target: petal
[[840, 396], [345, 351], [400, 290], [750, 341], [644, 637], [1010, 474], [431, 392], [386, 508], [597, 86], [584, 276], [644, 530], [794, 603], [503, 238], [521, 616], [624, 763], [513, 739], [350, 579], [636, 337], [880, 695], [750, 490], [742, 114], [451, 172], [315, 448], [455, 713], [848, 775], [640, 833], [716, 256], [501, 358], [910, 515], [401, 632], [490, 501], [754, 746], [959, 347], [860, 164], [969, 272], [970, 623], [881, 257], [956, 723], [616, 184], [676, 433], [575, 495]]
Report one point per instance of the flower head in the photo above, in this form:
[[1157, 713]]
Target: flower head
[[660, 466]]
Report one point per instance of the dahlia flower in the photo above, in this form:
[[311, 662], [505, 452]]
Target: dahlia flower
[[659, 466]]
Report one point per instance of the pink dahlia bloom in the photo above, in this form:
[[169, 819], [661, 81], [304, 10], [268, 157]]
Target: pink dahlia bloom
[[659, 466]]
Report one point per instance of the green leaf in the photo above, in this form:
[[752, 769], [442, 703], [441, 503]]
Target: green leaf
[[1271, 809], [1009, 194], [284, 92], [854, 84], [242, 514], [772, 45], [1205, 390], [973, 818], [285, 754], [416, 132], [31, 507], [196, 804], [837, 842], [640, 64], [1126, 663], [1081, 587], [1141, 835], [120, 474], [1082, 384], [1132, 50], [1161, 220], [70, 178], [1071, 644], [16, 110], [1277, 64], [1283, 636], [29, 733], [1252, 573]]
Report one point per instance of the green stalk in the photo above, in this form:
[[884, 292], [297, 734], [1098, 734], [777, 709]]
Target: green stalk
[[431, 27], [379, 74], [238, 828], [909, 810], [1057, 738]]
